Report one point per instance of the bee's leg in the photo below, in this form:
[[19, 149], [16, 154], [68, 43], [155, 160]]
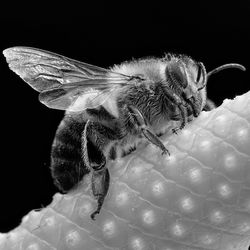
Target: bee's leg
[[184, 116], [96, 139], [209, 105], [146, 131], [154, 139], [178, 101], [91, 147], [100, 185]]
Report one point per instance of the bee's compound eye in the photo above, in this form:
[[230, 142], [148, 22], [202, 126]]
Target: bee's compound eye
[[175, 73], [198, 77]]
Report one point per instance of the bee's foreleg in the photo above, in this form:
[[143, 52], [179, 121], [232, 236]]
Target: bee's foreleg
[[177, 100], [184, 116], [146, 131], [100, 185]]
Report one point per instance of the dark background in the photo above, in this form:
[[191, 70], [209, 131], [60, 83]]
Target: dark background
[[102, 35]]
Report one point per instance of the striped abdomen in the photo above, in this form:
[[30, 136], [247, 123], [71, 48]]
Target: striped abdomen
[[67, 165]]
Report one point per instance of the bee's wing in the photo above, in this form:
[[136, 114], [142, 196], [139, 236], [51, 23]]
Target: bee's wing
[[77, 99], [61, 80]]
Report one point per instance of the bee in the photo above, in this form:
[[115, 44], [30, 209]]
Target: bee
[[110, 111]]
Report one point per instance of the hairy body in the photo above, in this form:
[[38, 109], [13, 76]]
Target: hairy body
[[108, 112]]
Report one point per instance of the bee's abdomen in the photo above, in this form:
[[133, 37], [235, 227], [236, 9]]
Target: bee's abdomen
[[67, 166]]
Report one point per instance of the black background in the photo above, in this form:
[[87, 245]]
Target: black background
[[101, 34]]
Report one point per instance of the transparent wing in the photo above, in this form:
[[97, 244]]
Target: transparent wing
[[78, 99], [61, 80]]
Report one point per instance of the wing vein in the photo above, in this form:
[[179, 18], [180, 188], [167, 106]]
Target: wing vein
[[65, 83]]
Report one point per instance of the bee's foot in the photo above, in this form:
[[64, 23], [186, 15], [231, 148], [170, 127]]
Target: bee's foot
[[182, 126], [174, 130], [165, 151], [93, 215]]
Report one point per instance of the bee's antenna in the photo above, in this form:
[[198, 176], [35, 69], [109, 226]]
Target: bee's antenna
[[222, 67], [226, 66]]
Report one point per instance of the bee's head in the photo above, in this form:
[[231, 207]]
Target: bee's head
[[190, 78]]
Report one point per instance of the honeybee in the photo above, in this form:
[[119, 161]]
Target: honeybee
[[110, 111]]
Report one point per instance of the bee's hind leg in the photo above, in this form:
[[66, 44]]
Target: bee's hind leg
[[146, 131], [96, 137], [100, 185]]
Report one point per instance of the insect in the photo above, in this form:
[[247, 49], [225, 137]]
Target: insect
[[110, 111]]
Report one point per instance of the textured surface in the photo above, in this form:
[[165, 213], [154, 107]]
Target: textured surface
[[198, 198]]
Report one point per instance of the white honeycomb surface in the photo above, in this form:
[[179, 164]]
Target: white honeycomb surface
[[196, 198]]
